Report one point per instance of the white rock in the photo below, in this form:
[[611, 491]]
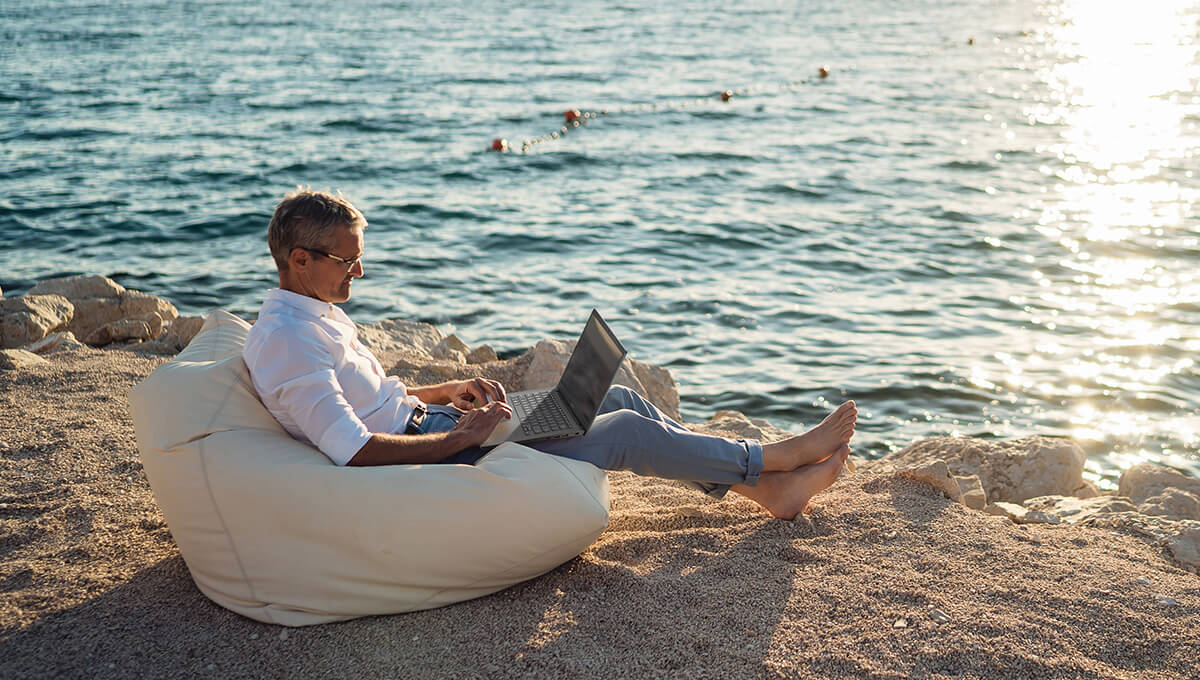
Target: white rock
[[1144, 480], [27, 319], [452, 348], [79, 287], [1073, 510], [1143, 581], [973, 495], [398, 335], [937, 474], [738, 424], [1011, 470], [17, 359], [1021, 514], [1166, 601], [482, 355], [900, 623], [180, 333], [100, 301], [939, 616], [1181, 538], [119, 331], [1172, 503], [548, 358], [63, 341]]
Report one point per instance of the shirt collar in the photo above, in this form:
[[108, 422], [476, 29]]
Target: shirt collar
[[307, 305]]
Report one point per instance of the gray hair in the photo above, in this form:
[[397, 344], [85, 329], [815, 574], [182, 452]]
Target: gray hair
[[307, 219]]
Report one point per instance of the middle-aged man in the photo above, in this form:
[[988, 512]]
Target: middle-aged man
[[328, 390]]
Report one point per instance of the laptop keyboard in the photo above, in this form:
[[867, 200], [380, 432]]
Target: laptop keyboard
[[541, 412]]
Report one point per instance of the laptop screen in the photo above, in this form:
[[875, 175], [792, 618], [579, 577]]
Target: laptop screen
[[591, 370]]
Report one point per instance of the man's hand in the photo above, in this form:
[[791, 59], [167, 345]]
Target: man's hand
[[476, 425], [470, 394]]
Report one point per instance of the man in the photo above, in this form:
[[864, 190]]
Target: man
[[327, 389]]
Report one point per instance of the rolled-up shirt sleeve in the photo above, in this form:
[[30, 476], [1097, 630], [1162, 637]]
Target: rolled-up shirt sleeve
[[298, 372]]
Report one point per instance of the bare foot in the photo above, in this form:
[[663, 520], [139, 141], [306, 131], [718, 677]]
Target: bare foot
[[786, 494], [815, 445]]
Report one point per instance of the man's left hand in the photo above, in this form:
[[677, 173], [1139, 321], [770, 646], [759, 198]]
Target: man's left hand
[[468, 394]]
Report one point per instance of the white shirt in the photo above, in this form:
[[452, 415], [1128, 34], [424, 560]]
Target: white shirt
[[318, 380]]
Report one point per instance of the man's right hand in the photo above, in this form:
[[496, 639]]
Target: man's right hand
[[476, 425]]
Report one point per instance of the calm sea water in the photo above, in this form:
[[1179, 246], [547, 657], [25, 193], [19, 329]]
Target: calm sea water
[[980, 223]]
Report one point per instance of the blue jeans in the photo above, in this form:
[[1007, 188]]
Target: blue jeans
[[631, 434]]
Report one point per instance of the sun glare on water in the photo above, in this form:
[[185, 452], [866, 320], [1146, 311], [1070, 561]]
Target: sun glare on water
[[1115, 288]]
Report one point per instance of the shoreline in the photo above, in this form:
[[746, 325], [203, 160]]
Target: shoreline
[[887, 577]]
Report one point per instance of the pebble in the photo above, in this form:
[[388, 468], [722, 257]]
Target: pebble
[[1166, 601], [254, 636], [1144, 581], [900, 623], [891, 534], [939, 616], [112, 666], [283, 635], [211, 666]]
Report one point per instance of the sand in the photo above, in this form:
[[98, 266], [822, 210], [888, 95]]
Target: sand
[[888, 580]]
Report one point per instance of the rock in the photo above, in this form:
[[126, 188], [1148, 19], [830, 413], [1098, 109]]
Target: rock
[[1086, 490], [1172, 503], [1020, 514], [1144, 480], [548, 358], [180, 333], [452, 348], [100, 301], [482, 355], [86, 286], [118, 331], [737, 424], [398, 335], [63, 341], [900, 623], [17, 359], [937, 474], [27, 319], [939, 616], [1180, 538], [1074, 510], [973, 495], [1011, 470]]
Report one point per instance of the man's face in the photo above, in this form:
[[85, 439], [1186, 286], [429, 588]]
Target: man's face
[[330, 280]]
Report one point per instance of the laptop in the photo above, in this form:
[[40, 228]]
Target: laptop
[[567, 409]]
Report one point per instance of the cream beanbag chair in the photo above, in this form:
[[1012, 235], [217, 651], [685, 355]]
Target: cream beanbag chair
[[271, 529]]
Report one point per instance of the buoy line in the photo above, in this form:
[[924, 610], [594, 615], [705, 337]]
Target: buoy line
[[576, 118]]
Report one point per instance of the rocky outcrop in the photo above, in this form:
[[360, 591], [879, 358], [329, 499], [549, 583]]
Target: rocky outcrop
[[28, 319], [1010, 470], [16, 359], [737, 425], [105, 312], [1143, 481], [55, 342], [180, 333], [399, 337], [548, 358]]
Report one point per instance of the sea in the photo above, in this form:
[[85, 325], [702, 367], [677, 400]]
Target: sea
[[972, 218]]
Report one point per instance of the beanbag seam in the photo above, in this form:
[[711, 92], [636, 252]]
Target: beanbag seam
[[201, 450]]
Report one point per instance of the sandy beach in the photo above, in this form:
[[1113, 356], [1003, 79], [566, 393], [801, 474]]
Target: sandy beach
[[888, 579]]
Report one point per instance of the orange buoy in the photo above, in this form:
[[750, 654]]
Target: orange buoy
[[571, 115], [499, 144], [823, 72], [726, 95]]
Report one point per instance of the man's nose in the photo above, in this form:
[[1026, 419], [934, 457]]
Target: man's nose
[[357, 269]]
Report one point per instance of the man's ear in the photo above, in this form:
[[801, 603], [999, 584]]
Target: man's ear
[[299, 258]]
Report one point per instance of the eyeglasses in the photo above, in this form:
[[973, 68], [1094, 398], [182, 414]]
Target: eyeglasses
[[348, 262]]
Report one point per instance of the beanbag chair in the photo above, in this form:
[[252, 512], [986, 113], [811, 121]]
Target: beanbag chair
[[273, 530]]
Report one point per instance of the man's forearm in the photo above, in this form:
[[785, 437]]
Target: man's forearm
[[400, 449], [432, 394]]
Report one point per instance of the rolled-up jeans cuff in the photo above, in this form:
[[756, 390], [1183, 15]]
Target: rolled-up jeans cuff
[[754, 464]]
